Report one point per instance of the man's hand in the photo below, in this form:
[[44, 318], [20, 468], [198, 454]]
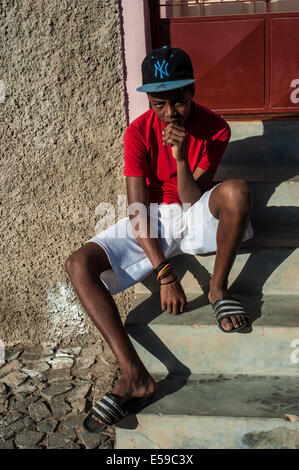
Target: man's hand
[[172, 296], [175, 136]]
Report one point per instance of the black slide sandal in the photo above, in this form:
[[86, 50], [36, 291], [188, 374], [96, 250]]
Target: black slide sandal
[[229, 307], [110, 412]]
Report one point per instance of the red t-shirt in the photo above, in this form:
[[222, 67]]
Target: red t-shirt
[[145, 155]]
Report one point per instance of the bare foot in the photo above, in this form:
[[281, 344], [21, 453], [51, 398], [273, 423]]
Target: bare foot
[[126, 388], [231, 323]]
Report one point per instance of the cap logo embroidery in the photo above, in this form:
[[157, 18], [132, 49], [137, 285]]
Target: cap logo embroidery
[[159, 68]]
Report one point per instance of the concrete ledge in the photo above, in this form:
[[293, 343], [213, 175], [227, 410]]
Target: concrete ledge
[[275, 173], [209, 432], [225, 395], [255, 271], [191, 342], [263, 310], [204, 349]]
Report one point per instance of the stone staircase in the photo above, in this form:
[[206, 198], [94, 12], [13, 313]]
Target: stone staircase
[[220, 390]]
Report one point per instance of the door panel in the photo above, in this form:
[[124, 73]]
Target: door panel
[[284, 60], [228, 59]]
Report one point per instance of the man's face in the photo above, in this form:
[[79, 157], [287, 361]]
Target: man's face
[[172, 106]]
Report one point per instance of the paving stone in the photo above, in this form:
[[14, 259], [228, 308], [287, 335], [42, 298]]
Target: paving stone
[[107, 445], [28, 439], [54, 390], [79, 392], [34, 447], [34, 369], [39, 358], [79, 405], [62, 439], [14, 378], [38, 380], [14, 428], [93, 350], [10, 367], [84, 362], [10, 418], [73, 351], [10, 355], [28, 357], [21, 403], [38, 411], [85, 374], [73, 445], [9, 444], [92, 440], [46, 355], [26, 388], [62, 355], [3, 398], [48, 425], [61, 362], [74, 421], [59, 407], [59, 375]]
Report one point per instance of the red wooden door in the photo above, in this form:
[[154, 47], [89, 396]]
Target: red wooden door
[[243, 63]]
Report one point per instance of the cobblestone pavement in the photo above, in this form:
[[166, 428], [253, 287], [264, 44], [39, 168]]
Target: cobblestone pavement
[[45, 393]]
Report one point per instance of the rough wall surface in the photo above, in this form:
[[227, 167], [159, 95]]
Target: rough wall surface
[[62, 121]]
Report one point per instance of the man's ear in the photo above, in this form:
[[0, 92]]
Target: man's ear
[[150, 106]]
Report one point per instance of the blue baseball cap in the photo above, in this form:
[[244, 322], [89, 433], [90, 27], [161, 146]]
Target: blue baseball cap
[[166, 68]]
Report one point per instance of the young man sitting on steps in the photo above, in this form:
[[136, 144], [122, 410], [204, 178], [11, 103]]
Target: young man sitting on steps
[[172, 152]]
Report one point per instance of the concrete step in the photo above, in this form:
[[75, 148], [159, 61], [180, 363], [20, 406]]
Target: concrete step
[[226, 395], [255, 270], [191, 342], [275, 202], [208, 432], [258, 173], [216, 411], [266, 143], [273, 236]]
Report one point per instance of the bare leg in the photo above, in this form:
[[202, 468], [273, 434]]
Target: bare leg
[[84, 268], [230, 202]]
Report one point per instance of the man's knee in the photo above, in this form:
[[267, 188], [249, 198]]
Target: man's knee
[[90, 257], [74, 262], [237, 192]]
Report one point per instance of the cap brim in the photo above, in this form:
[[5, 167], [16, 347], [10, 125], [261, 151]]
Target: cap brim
[[165, 86]]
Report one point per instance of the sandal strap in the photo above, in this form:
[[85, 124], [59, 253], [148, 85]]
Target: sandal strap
[[108, 409], [228, 307]]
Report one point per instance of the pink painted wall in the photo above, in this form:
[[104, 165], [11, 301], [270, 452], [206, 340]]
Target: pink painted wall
[[136, 40]]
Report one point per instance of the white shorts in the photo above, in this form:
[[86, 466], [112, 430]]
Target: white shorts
[[192, 231]]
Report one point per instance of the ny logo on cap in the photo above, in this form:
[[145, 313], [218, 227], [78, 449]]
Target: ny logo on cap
[[159, 68]]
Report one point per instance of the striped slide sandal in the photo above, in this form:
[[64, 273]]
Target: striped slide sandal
[[229, 307], [110, 412]]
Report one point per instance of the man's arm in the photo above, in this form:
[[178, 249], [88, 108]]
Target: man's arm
[[137, 193], [172, 296], [188, 189], [191, 186]]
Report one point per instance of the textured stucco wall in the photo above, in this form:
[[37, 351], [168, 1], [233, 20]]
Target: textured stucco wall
[[62, 121]]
